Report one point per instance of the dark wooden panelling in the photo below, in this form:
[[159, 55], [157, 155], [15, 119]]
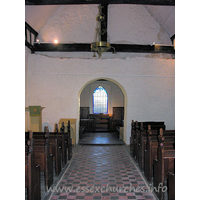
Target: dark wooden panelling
[[118, 113], [84, 112]]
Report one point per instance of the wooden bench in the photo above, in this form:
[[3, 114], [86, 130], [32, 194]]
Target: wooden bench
[[138, 138], [163, 165], [48, 147], [134, 138], [69, 141], [118, 132], [56, 149], [142, 144], [155, 125], [43, 157], [32, 171], [171, 186], [101, 121], [142, 140], [63, 143], [113, 123], [152, 146], [81, 131], [89, 124]]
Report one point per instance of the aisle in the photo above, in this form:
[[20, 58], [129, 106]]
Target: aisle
[[100, 138], [102, 172]]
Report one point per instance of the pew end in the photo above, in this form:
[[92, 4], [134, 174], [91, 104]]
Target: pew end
[[32, 171], [171, 186]]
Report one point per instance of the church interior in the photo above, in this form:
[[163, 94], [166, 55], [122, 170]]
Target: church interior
[[99, 99]]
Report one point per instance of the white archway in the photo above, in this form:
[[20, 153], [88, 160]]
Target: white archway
[[125, 103]]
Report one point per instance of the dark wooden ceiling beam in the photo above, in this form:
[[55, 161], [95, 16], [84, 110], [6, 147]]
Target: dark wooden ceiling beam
[[126, 48], [104, 22], [77, 47], [68, 2]]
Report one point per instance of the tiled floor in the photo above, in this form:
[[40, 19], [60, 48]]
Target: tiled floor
[[102, 172]]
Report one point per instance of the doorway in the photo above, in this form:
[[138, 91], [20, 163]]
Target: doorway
[[101, 113]]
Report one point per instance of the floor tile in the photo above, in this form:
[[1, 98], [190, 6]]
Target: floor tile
[[104, 172]]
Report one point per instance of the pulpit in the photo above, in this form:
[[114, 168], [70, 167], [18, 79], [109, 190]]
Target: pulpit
[[33, 118]]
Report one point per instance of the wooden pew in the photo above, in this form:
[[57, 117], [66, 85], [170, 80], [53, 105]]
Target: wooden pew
[[152, 146], [60, 146], [49, 146], [155, 125], [69, 141], [32, 171], [136, 130], [140, 139], [117, 131], [63, 144], [171, 186], [43, 156], [56, 149], [163, 165], [66, 143], [81, 131], [89, 124], [143, 140], [113, 123], [142, 145], [134, 139]]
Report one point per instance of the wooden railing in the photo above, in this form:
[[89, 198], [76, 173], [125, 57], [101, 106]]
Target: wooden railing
[[30, 36]]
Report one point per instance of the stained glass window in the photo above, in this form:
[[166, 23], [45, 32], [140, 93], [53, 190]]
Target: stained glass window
[[100, 101]]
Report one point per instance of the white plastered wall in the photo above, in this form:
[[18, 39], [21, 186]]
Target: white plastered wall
[[56, 85], [55, 80]]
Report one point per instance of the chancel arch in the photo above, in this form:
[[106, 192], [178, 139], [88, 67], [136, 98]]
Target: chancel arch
[[113, 91]]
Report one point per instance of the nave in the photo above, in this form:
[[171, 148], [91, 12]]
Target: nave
[[105, 172]]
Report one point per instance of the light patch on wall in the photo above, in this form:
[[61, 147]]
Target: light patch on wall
[[55, 41]]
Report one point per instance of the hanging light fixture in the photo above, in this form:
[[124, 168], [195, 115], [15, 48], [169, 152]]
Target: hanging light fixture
[[99, 46]]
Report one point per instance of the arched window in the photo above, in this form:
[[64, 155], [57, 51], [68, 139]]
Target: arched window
[[100, 101]]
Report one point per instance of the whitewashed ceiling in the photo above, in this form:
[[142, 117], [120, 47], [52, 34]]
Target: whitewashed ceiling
[[37, 16], [165, 16]]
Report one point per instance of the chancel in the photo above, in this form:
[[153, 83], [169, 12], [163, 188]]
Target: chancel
[[99, 121]]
